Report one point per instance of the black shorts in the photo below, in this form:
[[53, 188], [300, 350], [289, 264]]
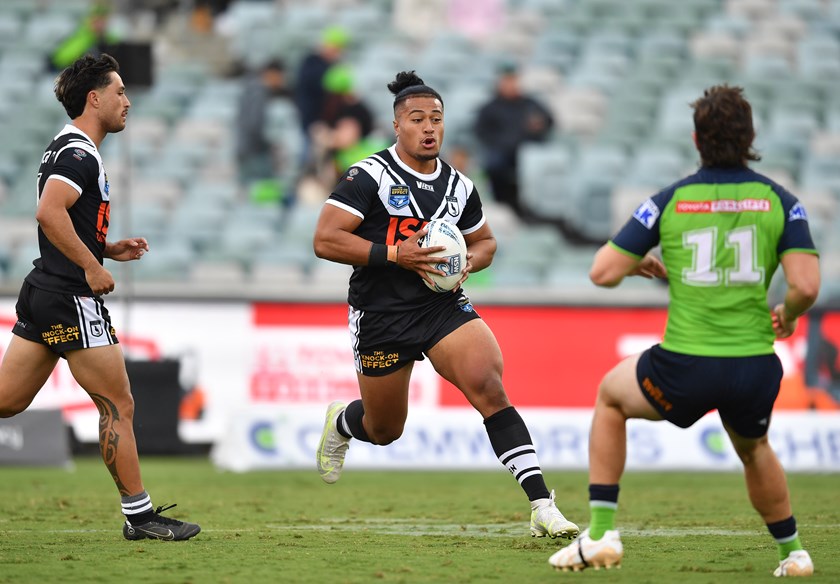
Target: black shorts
[[683, 388], [383, 342], [62, 322]]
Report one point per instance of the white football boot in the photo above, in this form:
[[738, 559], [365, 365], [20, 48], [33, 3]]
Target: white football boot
[[586, 552], [333, 446], [797, 563], [546, 520]]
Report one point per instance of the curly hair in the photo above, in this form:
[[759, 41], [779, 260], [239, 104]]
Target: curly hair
[[723, 126], [88, 73]]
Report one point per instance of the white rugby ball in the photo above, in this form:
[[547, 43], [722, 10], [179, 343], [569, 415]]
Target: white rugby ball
[[441, 232]]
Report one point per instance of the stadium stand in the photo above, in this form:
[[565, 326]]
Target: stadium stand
[[619, 77]]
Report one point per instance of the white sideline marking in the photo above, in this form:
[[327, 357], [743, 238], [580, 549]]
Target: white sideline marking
[[413, 527]]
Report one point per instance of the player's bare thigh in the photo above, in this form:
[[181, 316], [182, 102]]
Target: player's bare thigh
[[386, 403], [101, 371], [745, 447], [620, 389], [470, 358], [25, 369]]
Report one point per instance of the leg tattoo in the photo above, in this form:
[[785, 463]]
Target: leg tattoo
[[108, 437]]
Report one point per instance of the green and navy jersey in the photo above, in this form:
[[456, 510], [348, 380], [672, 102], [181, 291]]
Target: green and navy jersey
[[394, 202], [721, 232], [73, 158]]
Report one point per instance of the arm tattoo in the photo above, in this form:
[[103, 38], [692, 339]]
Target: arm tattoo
[[108, 437]]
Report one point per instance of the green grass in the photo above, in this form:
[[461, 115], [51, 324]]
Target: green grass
[[59, 526]]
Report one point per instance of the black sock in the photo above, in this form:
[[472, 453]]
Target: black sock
[[785, 529], [339, 425], [353, 415], [512, 444], [605, 493]]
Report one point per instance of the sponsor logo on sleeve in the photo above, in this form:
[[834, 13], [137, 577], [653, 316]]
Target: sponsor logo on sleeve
[[647, 214], [398, 198], [351, 174], [78, 153], [797, 213]]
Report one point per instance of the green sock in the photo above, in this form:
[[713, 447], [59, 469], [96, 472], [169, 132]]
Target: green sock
[[789, 546], [602, 518]]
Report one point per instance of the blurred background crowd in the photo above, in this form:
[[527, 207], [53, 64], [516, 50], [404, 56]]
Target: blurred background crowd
[[566, 113]]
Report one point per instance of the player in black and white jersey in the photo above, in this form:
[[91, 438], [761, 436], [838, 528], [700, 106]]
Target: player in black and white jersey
[[373, 221], [60, 311]]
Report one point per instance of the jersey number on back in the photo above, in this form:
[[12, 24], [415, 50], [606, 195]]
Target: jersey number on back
[[703, 245]]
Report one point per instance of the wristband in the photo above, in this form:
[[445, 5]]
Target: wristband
[[378, 255]]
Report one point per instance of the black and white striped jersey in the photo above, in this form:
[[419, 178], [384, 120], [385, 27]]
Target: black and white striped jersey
[[394, 202], [72, 157]]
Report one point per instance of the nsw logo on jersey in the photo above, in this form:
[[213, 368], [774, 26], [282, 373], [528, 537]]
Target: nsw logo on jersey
[[399, 196], [797, 213], [647, 213]]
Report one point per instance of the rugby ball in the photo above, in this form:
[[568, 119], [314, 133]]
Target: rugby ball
[[441, 232]]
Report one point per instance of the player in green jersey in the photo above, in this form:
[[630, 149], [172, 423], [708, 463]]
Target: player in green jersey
[[722, 231]]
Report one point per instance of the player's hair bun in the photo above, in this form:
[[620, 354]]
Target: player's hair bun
[[403, 80], [407, 84]]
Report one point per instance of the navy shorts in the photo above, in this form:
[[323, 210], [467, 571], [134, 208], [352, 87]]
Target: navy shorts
[[62, 322], [683, 388], [384, 342]]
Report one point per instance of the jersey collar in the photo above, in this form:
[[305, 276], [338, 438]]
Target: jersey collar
[[71, 129], [426, 177]]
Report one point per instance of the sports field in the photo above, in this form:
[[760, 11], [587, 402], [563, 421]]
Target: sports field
[[60, 526]]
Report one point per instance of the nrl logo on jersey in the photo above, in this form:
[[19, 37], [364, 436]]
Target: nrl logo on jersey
[[398, 198], [647, 213], [96, 328], [452, 206], [797, 213]]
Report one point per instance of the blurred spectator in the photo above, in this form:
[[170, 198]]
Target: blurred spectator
[[255, 154], [92, 36], [503, 124], [310, 94], [344, 133]]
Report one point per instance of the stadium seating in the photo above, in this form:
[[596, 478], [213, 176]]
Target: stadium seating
[[619, 77]]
